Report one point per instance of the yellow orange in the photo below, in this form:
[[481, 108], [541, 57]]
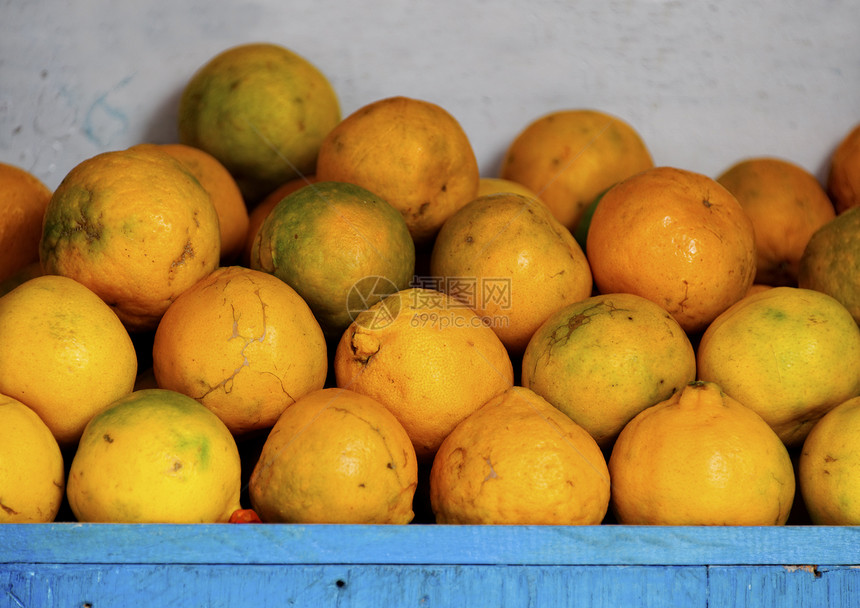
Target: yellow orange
[[335, 456], [843, 176], [427, 358], [700, 458], [518, 460]]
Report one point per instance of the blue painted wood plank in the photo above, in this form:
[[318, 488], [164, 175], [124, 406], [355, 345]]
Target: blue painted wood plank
[[103, 586], [811, 585], [71, 543]]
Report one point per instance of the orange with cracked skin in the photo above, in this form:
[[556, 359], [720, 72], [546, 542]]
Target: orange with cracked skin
[[244, 344], [676, 237]]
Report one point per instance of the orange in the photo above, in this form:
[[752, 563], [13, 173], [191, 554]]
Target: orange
[[568, 157], [412, 153], [428, 358], [603, 360], [790, 354], [23, 199], [700, 458], [65, 353], [518, 460], [335, 456], [831, 261], [843, 176], [30, 271], [223, 192], [497, 185], [155, 456], [258, 214], [136, 227], [786, 205], [242, 343], [508, 258], [32, 476], [263, 111], [677, 238], [829, 467], [340, 246]]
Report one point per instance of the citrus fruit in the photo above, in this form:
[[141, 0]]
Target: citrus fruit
[[677, 238], [155, 456], [32, 476], [223, 192], [426, 357], [23, 198], [30, 271], [340, 246], [831, 261], [606, 358], [786, 204], [567, 157], [518, 460], [829, 467], [136, 227], [335, 456], [262, 110], [497, 185], [244, 344], [700, 458], [258, 214], [65, 353], [508, 258], [412, 153], [791, 354], [843, 176]]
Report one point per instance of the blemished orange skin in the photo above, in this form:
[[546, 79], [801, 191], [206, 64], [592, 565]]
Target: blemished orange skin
[[828, 471], [789, 353], [677, 238], [335, 456], [412, 153], [786, 205], [700, 458], [568, 157], [136, 227], [514, 245], [603, 360], [244, 344], [261, 210], [843, 177], [223, 192], [32, 478], [518, 460], [23, 199], [427, 358], [155, 456]]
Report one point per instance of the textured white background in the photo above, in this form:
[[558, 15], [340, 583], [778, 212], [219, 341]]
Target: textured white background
[[704, 83]]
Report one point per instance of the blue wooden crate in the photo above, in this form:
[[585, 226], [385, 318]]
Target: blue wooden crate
[[613, 566]]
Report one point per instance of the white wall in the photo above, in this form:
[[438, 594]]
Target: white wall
[[704, 83]]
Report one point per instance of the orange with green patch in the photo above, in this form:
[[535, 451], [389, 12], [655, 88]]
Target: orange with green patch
[[155, 456], [603, 360]]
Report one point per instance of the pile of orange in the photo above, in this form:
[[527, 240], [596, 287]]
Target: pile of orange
[[287, 315]]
